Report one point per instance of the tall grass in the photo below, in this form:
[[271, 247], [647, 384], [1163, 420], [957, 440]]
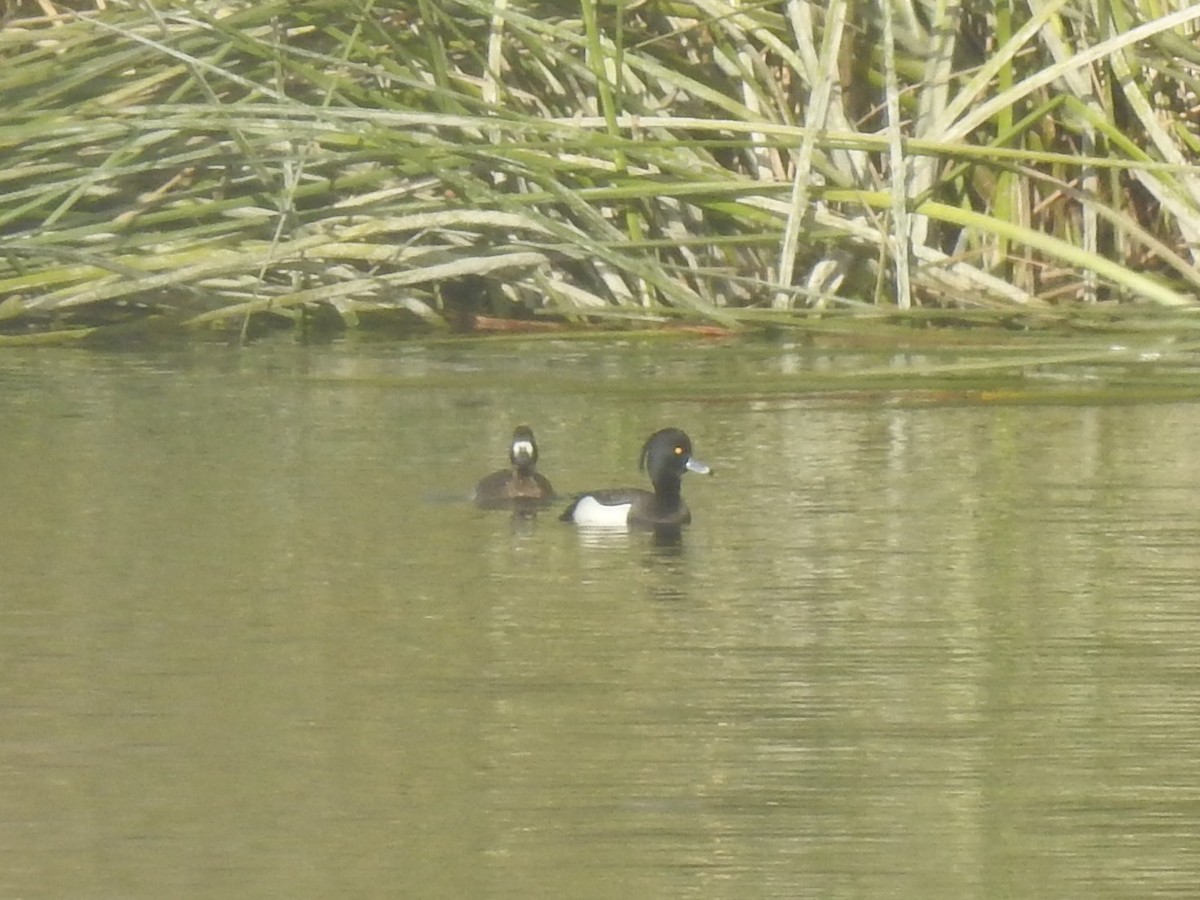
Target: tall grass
[[420, 163]]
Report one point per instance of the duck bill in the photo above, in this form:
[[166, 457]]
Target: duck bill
[[694, 465]]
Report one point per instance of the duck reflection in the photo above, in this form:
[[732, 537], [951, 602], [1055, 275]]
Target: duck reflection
[[668, 538], [523, 521]]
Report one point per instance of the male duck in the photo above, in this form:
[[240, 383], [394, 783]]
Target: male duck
[[520, 486], [666, 455]]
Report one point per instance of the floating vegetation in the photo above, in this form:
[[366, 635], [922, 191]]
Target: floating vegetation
[[436, 166]]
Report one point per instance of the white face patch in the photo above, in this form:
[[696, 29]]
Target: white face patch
[[590, 511], [522, 450]]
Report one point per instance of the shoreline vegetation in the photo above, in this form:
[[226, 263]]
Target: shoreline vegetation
[[434, 167]]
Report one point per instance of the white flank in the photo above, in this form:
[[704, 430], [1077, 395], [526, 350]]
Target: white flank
[[590, 511]]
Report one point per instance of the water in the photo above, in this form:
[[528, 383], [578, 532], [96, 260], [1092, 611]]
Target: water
[[254, 642]]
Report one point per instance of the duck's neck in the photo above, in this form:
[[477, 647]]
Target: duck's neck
[[667, 492]]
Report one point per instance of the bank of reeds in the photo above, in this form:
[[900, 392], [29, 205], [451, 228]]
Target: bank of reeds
[[439, 164]]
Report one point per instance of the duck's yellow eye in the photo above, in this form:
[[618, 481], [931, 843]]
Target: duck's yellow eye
[[678, 450]]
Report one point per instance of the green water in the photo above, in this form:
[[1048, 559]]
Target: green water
[[254, 642]]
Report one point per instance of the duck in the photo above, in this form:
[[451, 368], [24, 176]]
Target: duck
[[521, 486], [666, 456]]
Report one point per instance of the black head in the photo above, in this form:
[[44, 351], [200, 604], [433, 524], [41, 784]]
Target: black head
[[666, 455], [523, 450]]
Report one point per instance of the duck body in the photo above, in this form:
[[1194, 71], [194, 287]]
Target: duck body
[[666, 456], [522, 485], [619, 507]]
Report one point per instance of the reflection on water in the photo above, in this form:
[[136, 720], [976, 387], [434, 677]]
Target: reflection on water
[[605, 537], [251, 647]]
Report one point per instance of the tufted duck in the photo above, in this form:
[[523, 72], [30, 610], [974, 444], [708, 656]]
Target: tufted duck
[[520, 486], [666, 455]]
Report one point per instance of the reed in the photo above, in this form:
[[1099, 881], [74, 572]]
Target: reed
[[432, 166]]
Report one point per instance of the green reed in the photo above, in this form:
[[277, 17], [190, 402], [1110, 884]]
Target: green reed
[[428, 167]]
